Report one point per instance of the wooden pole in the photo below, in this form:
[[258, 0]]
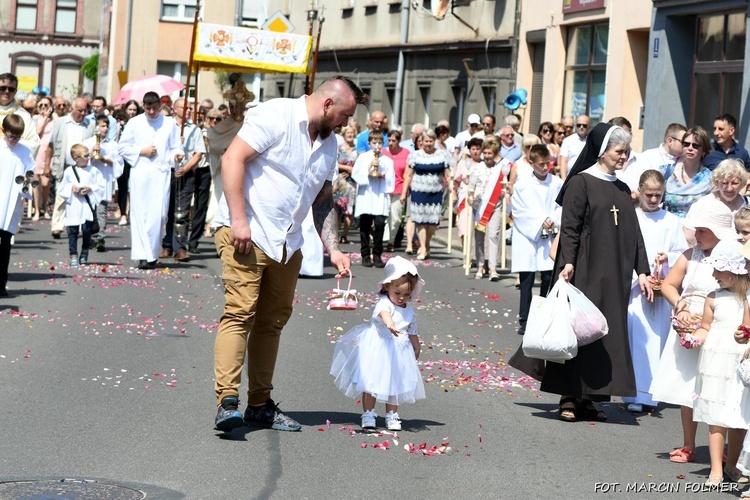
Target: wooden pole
[[311, 20], [190, 66], [467, 238], [315, 54], [503, 217], [450, 214]]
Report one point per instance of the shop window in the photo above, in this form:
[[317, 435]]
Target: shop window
[[585, 71], [26, 15], [717, 68], [65, 16]]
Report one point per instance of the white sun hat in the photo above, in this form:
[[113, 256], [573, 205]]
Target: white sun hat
[[726, 256], [714, 217], [398, 266]]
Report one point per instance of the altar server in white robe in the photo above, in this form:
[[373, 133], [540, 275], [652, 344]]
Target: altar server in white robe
[[648, 322], [376, 179], [536, 217], [15, 161], [106, 157], [151, 144]]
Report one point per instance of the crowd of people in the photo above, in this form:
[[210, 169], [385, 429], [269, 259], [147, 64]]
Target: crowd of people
[[657, 240], [155, 134]]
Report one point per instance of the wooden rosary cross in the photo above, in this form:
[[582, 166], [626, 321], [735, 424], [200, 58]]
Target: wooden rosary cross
[[614, 212]]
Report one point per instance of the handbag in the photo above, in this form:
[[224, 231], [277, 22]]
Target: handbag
[[588, 322], [743, 369], [549, 333], [95, 223], [343, 300]]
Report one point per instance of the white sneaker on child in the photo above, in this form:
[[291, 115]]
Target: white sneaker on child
[[392, 422], [368, 419]]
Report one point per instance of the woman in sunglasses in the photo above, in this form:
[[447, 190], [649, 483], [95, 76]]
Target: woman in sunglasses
[[690, 180], [546, 133], [43, 119]]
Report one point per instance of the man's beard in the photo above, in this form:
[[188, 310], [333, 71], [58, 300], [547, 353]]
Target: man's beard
[[325, 127]]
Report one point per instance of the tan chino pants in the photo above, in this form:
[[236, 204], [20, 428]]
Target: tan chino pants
[[259, 292]]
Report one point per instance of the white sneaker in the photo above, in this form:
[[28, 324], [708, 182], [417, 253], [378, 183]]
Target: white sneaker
[[635, 407], [392, 422], [368, 419]]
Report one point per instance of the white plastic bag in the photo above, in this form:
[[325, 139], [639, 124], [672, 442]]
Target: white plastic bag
[[589, 324], [549, 334]]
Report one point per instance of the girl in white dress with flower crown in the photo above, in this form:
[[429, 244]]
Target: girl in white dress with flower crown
[[379, 359], [718, 389], [686, 287]]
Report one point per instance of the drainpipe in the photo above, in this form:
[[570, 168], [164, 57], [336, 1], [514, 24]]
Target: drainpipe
[[405, 11], [514, 49], [128, 24]]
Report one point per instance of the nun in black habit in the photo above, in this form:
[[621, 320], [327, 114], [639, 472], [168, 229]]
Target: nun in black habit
[[600, 247]]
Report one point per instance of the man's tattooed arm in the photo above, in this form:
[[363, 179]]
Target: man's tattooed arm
[[326, 219]]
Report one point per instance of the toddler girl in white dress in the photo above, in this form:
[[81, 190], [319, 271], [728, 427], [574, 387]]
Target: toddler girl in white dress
[[717, 387], [379, 359]]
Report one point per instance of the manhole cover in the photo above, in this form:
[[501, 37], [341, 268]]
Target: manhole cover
[[78, 489]]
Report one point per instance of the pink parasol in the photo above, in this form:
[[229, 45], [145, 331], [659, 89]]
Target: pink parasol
[[161, 84]]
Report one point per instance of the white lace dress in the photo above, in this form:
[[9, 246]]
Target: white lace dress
[[369, 358], [674, 380], [718, 387]]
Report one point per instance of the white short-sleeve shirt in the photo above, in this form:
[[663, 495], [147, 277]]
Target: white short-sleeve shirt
[[572, 147], [282, 182]]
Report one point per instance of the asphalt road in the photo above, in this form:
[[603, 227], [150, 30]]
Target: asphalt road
[[107, 375]]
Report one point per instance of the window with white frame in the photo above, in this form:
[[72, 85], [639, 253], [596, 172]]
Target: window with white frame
[[26, 15], [65, 16], [178, 10], [586, 71], [28, 71], [254, 13], [176, 70], [67, 79]]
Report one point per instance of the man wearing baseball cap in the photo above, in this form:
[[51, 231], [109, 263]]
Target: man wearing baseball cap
[[474, 122]]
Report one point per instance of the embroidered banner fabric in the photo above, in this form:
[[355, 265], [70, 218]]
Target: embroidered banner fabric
[[227, 47]]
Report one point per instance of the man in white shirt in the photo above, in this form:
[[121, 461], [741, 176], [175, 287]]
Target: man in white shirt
[[474, 123], [280, 164], [573, 145], [661, 158], [450, 142], [73, 128], [175, 241]]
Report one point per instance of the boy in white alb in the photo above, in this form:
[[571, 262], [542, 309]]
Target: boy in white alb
[[15, 162], [375, 179], [105, 157], [82, 188], [536, 218]]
